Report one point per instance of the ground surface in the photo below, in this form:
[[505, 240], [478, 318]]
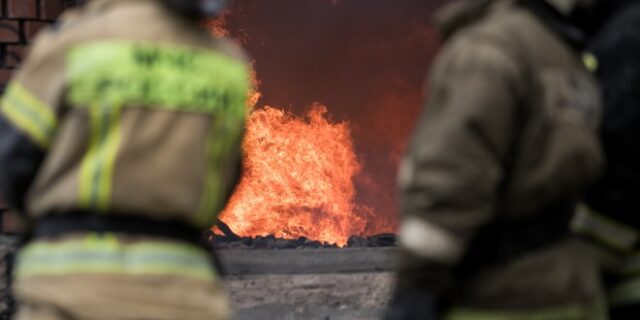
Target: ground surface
[[358, 296], [7, 246], [323, 284], [307, 261], [300, 284]]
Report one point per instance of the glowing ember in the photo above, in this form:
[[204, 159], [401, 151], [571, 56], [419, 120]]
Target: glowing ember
[[298, 179]]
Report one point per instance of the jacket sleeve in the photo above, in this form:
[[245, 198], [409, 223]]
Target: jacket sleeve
[[28, 118], [20, 159], [449, 180]]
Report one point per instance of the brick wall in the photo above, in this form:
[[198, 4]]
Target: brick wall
[[20, 20]]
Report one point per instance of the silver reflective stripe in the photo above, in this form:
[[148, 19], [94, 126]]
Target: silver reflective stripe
[[615, 235], [107, 254], [429, 241]]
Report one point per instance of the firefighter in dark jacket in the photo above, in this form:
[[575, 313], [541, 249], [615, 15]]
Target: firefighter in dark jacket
[[120, 138], [506, 147], [611, 216]]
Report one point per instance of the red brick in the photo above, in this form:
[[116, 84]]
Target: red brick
[[51, 9], [9, 31], [14, 55], [22, 9], [31, 28]]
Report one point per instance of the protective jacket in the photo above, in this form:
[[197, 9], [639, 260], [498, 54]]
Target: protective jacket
[[124, 113], [610, 216], [505, 147]]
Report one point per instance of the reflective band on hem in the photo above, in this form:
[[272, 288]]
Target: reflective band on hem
[[625, 294], [429, 241], [29, 114], [105, 254], [611, 233]]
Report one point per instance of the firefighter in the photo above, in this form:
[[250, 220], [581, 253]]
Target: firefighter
[[506, 146], [120, 139], [610, 217]]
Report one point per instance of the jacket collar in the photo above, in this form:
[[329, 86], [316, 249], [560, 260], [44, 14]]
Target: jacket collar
[[459, 14], [554, 13]]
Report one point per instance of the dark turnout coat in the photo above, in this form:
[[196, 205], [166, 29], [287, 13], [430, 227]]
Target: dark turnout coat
[[506, 146]]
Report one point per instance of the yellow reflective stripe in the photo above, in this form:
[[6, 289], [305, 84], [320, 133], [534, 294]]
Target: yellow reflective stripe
[[106, 254], [29, 114], [24, 123], [96, 172], [166, 78], [225, 135], [611, 233], [590, 61], [562, 313]]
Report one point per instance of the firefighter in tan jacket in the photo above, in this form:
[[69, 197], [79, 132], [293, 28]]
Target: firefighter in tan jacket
[[505, 148], [120, 139]]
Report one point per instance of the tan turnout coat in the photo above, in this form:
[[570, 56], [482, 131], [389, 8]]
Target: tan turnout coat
[[140, 113]]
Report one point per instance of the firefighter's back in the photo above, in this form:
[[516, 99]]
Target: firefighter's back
[[140, 114]]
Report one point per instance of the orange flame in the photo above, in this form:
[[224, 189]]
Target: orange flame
[[298, 179], [298, 176]]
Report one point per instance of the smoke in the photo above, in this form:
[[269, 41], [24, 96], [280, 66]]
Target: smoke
[[365, 60]]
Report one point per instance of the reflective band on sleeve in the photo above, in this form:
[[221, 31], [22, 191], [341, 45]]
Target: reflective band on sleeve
[[611, 233], [29, 114], [429, 241], [106, 254]]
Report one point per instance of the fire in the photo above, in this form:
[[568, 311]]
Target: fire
[[299, 174], [298, 180], [303, 176]]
